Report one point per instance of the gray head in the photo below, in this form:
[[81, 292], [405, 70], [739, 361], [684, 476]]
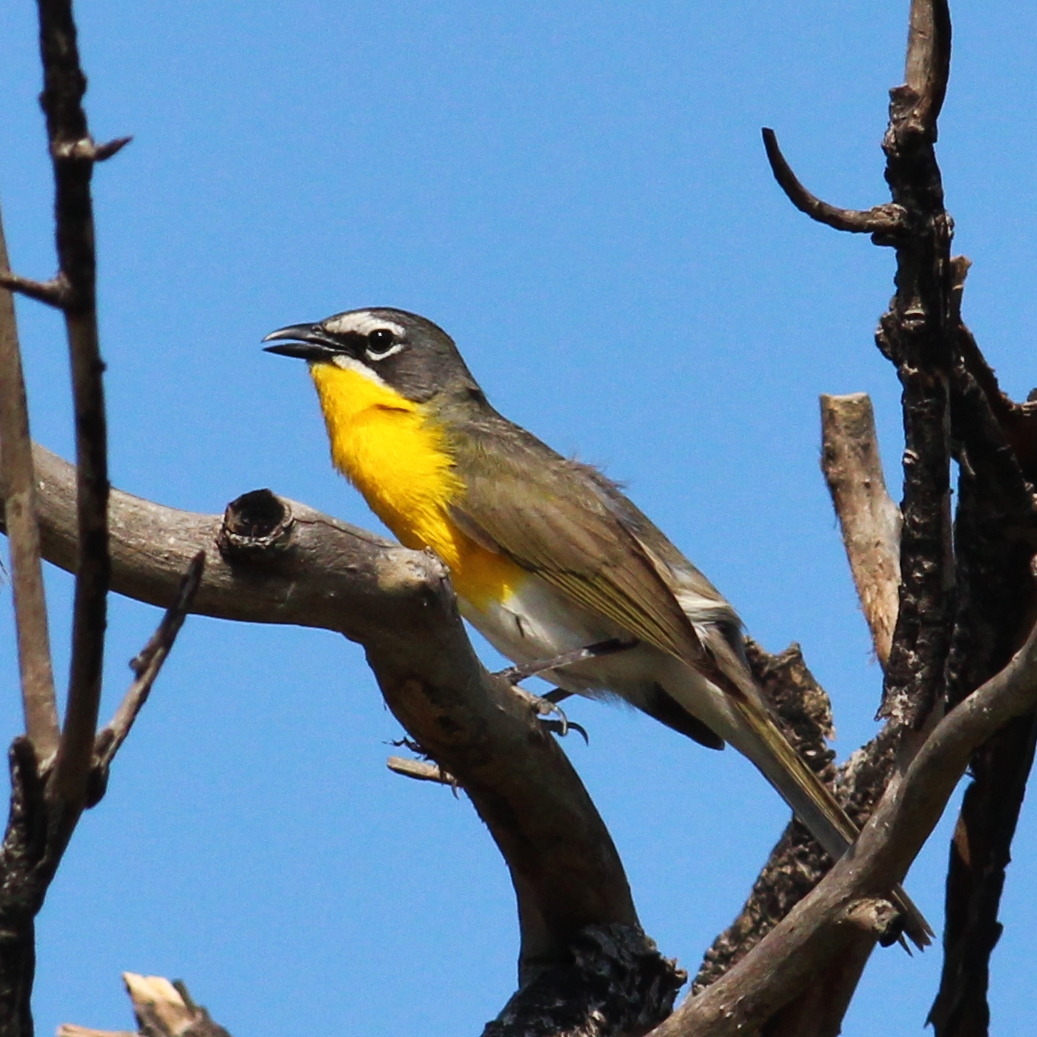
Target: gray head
[[409, 353]]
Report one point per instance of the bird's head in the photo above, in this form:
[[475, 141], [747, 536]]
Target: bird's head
[[400, 350]]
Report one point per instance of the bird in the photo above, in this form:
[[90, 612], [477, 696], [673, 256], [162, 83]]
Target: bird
[[547, 556]]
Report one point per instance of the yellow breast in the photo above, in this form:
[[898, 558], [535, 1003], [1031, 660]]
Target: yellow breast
[[386, 446]]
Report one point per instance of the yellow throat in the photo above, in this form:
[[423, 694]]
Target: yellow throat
[[387, 447]]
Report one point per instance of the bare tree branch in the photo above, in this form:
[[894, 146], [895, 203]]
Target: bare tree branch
[[820, 928], [73, 155], [869, 520], [918, 334], [996, 525], [886, 220], [50, 293], [281, 562], [146, 665], [420, 770], [928, 64], [163, 1009], [19, 505]]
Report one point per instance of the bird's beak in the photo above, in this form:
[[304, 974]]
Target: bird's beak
[[305, 341]]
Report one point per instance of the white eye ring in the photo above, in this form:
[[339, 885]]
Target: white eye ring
[[395, 348], [373, 353]]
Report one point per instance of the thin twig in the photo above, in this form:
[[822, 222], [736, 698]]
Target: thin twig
[[147, 664], [887, 220], [19, 505], [420, 770], [71, 1030], [868, 518], [53, 293]]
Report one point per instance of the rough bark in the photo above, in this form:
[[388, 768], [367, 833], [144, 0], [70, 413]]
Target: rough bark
[[996, 528], [822, 929]]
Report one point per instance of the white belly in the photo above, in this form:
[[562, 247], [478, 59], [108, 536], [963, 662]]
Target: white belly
[[536, 623], [539, 623]]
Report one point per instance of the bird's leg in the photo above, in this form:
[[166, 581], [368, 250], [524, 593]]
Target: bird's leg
[[557, 695], [515, 674], [546, 705]]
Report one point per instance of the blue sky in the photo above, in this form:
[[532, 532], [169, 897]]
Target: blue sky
[[578, 193]]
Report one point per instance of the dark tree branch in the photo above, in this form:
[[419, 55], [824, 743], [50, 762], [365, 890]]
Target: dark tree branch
[[869, 520], [996, 528], [54, 774], [823, 927], [73, 155], [886, 220], [19, 505], [917, 335], [928, 64], [27, 864]]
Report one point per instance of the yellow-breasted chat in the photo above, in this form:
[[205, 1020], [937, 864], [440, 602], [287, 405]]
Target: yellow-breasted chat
[[546, 555]]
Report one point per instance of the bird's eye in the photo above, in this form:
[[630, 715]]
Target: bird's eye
[[381, 343]]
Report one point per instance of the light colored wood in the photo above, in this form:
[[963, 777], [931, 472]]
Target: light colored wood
[[869, 520]]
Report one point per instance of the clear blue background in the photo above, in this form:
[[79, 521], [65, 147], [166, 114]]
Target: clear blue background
[[577, 192]]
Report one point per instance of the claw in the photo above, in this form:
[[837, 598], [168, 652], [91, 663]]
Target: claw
[[545, 707]]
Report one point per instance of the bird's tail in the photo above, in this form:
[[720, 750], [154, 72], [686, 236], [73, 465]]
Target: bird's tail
[[813, 802]]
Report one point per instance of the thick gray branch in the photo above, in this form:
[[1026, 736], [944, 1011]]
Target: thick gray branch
[[276, 561]]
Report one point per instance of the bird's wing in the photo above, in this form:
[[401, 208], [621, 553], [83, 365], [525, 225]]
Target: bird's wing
[[554, 517], [569, 525]]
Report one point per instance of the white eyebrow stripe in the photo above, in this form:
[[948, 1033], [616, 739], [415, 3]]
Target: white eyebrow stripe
[[348, 363], [363, 322]]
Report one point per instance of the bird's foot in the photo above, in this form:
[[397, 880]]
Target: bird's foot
[[547, 706]]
